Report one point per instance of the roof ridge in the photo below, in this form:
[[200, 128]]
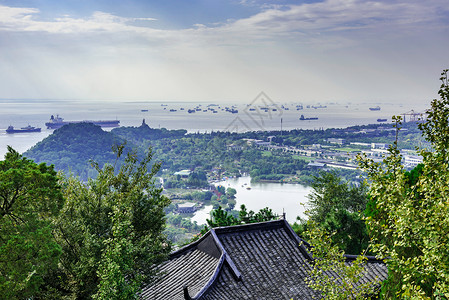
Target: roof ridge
[[223, 258]]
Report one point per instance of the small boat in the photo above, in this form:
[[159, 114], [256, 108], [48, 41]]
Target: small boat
[[248, 187], [23, 129], [374, 108], [144, 110]]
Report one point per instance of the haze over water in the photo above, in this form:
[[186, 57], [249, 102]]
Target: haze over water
[[335, 115]]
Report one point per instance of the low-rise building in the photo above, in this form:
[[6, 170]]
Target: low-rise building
[[379, 146], [338, 141], [186, 208], [411, 161]]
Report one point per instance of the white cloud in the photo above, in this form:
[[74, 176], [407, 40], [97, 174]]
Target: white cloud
[[351, 47], [329, 15], [26, 20], [307, 22]]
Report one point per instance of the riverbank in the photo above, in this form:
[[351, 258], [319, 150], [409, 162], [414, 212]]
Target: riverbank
[[290, 199]]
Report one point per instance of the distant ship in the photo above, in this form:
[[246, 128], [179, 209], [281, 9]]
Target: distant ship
[[302, 118], [58, 122], [23, 129], [381, 120], [375, 108]]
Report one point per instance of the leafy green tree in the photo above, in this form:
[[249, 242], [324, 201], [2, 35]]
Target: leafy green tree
[[111, 230], [30, 197], [339, 208], [231, 192], [117, 260], [331, 274], [221, 218], [408, 213], [264, 214]]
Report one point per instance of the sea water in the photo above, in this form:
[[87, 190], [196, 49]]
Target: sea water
[[158, 115], [174, 115]]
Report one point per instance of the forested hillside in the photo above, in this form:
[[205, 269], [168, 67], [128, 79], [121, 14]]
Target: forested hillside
[[71, 147]]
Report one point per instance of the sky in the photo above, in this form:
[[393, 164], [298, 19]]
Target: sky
[[216, 50]]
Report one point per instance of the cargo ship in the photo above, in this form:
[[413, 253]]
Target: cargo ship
[[302, 118], [23, 129], [58, 122]]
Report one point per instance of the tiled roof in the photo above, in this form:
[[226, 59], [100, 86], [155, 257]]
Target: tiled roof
[[255, 261]]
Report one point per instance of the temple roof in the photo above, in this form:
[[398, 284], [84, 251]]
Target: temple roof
[[254, 261]]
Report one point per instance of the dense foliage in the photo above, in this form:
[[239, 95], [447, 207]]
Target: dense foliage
[[220, 217], [65, 238], [110, 229], [72, 147], [338, 208], [332, 275], [30, 197], [408, 216]]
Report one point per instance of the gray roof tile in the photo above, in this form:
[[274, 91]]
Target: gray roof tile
[[255, 261]]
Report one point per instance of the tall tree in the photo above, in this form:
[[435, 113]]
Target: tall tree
[[111, 230], [29, 198], [408, 213], [338, 208]]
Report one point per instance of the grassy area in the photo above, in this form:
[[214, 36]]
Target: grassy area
[[306, 158], [267, 153], [347, 149]]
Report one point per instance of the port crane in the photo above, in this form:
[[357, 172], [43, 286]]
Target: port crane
[[414, 116]]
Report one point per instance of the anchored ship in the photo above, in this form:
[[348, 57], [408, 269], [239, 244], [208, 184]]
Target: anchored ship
[[58, 122], [23, 129], [302, 118]]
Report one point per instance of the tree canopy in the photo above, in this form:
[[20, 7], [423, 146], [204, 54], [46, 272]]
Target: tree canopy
[[338, 208], [110, 231], [408, 213], [30, 197]]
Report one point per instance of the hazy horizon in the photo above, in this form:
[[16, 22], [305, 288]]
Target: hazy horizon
[[228, 51]]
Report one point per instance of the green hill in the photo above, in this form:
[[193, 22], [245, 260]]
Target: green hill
[[71, 147]]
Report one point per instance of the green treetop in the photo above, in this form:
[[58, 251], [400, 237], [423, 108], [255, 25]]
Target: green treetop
[[110, 231], [408, 213], [29, 198]]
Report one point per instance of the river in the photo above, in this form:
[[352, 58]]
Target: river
[[288, 198]]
